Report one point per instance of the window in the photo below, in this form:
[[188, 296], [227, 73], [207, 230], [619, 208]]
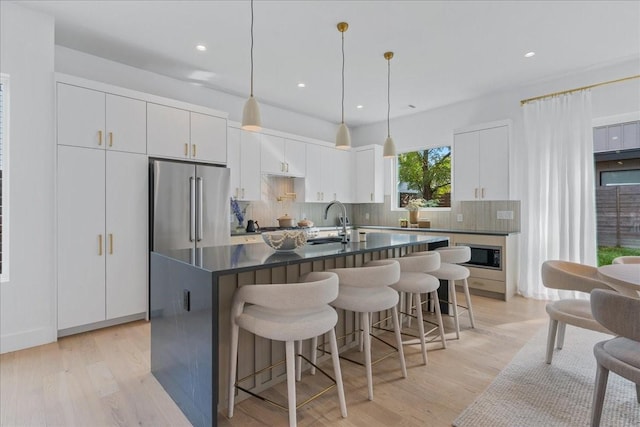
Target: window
[[620, 177], [4, 178], [423, 174]]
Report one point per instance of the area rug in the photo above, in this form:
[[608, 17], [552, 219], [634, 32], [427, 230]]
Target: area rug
[[528, 392]]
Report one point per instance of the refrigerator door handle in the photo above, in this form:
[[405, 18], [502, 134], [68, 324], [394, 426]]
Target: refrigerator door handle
[[192, 208], [200, 208]]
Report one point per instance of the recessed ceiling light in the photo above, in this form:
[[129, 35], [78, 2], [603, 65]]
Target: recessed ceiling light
[[201, 47], [359, 107], [411, 106], [529, 54], [301, 85]]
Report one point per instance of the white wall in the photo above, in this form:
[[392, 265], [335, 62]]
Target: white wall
[[91, 67], [27, 302], [435, 127]]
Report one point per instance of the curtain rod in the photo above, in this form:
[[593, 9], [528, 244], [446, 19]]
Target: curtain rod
[[524, 101]]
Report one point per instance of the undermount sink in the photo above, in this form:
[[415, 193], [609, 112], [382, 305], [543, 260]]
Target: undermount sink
[[323, 240]]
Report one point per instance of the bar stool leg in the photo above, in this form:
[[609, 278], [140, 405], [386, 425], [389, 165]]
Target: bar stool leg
[[233, 365], [337, 371], [396, 327], [434, 298], [298, 360], [367, 351], [423, 345], [454, 301], [314, 354], [468, 298], [291, 381]]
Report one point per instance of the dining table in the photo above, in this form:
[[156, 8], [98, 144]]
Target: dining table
[[624, 278]]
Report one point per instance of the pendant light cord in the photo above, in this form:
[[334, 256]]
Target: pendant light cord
[[251, 48], [388, 96], [342, 77]]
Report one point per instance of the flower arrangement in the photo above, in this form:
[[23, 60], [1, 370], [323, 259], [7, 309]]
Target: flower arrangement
[[239, 213], [415, 204]]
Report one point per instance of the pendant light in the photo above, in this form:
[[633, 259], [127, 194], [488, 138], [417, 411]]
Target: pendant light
[[343, 139], [389, 149], [251, 119]]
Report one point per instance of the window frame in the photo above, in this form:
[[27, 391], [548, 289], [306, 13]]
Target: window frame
[[6, 120], [394, 179]]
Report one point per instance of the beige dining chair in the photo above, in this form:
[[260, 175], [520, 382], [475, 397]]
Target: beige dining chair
[[621, 315], [570, 276]]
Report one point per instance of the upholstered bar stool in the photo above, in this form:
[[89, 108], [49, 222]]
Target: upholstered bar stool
[[366, 290], [414, 281], [287, 312], [450, 257]]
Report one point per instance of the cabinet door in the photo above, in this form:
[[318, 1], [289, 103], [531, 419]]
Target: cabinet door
[[167, 131], [600, 142], [233, 161], [272, 157], [208, 138], [340, 169], [250, 177], [313, 182], [364, 176], [81, 115], [127, 193], [81, 236], [126, 124], [465, 176], [631, 135], [494, 163], [295, 157]]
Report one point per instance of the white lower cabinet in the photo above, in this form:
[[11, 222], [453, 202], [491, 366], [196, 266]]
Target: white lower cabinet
[[102, 235]]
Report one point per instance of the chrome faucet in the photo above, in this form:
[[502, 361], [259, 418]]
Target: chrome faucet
[[345, 238]]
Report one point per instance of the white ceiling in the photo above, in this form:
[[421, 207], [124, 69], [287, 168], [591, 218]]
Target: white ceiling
[[445, 51]]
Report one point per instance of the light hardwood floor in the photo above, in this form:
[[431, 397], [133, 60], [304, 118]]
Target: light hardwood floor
[[102, 378]]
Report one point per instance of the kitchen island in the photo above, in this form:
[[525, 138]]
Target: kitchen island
[[190, 299]]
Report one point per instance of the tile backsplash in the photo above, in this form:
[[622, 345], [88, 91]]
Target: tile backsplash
[[475, 215]]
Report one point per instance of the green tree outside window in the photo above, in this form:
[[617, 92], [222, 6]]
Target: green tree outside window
[[425, 174]]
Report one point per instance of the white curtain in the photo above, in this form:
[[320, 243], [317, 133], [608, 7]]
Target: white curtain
[[558, 203]]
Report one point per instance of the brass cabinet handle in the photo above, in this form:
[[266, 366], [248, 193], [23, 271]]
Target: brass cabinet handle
[[99, 244], [110, 139], [110, 244], [372, 197], [193, 150], [483, 192], [186, 149], [475, 193], [99, 137], [243, 193], [287, 166]]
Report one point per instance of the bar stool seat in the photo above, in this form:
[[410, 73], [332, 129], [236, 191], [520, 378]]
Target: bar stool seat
[[286, 312]]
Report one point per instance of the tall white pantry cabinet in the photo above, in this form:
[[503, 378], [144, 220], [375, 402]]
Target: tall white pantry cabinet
[[102, 191]]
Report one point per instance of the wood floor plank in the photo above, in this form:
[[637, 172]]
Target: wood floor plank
[[102, 378]]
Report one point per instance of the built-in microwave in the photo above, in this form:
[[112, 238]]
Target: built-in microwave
[[483, 256]]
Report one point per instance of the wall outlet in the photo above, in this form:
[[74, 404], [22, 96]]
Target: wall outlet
[[505, 214], [366, 215], [459, 217]]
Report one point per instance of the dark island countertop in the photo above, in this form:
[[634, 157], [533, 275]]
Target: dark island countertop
[[441, 230], [246, 257]]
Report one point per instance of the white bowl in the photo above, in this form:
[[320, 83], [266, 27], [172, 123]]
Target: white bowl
[[285, 240]]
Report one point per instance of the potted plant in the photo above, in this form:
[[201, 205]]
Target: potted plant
[[413, 206]]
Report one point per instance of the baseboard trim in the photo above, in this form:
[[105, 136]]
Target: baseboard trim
[[99, 325], [26, 339]]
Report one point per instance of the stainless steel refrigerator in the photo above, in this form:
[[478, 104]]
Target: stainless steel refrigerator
[[190, 206]]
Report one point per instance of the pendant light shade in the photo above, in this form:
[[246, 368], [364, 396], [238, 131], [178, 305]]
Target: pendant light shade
[[389, 149], [251, 119], [343, 138]]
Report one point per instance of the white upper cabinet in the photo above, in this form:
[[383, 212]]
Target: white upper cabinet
[[208, 138], [281, 156], [481, 164], [327, 175], [181, 134], [244, 164], [95, 119], [369, 174]]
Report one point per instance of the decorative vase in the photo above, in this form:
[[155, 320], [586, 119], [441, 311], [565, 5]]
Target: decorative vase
[[413, 217]]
